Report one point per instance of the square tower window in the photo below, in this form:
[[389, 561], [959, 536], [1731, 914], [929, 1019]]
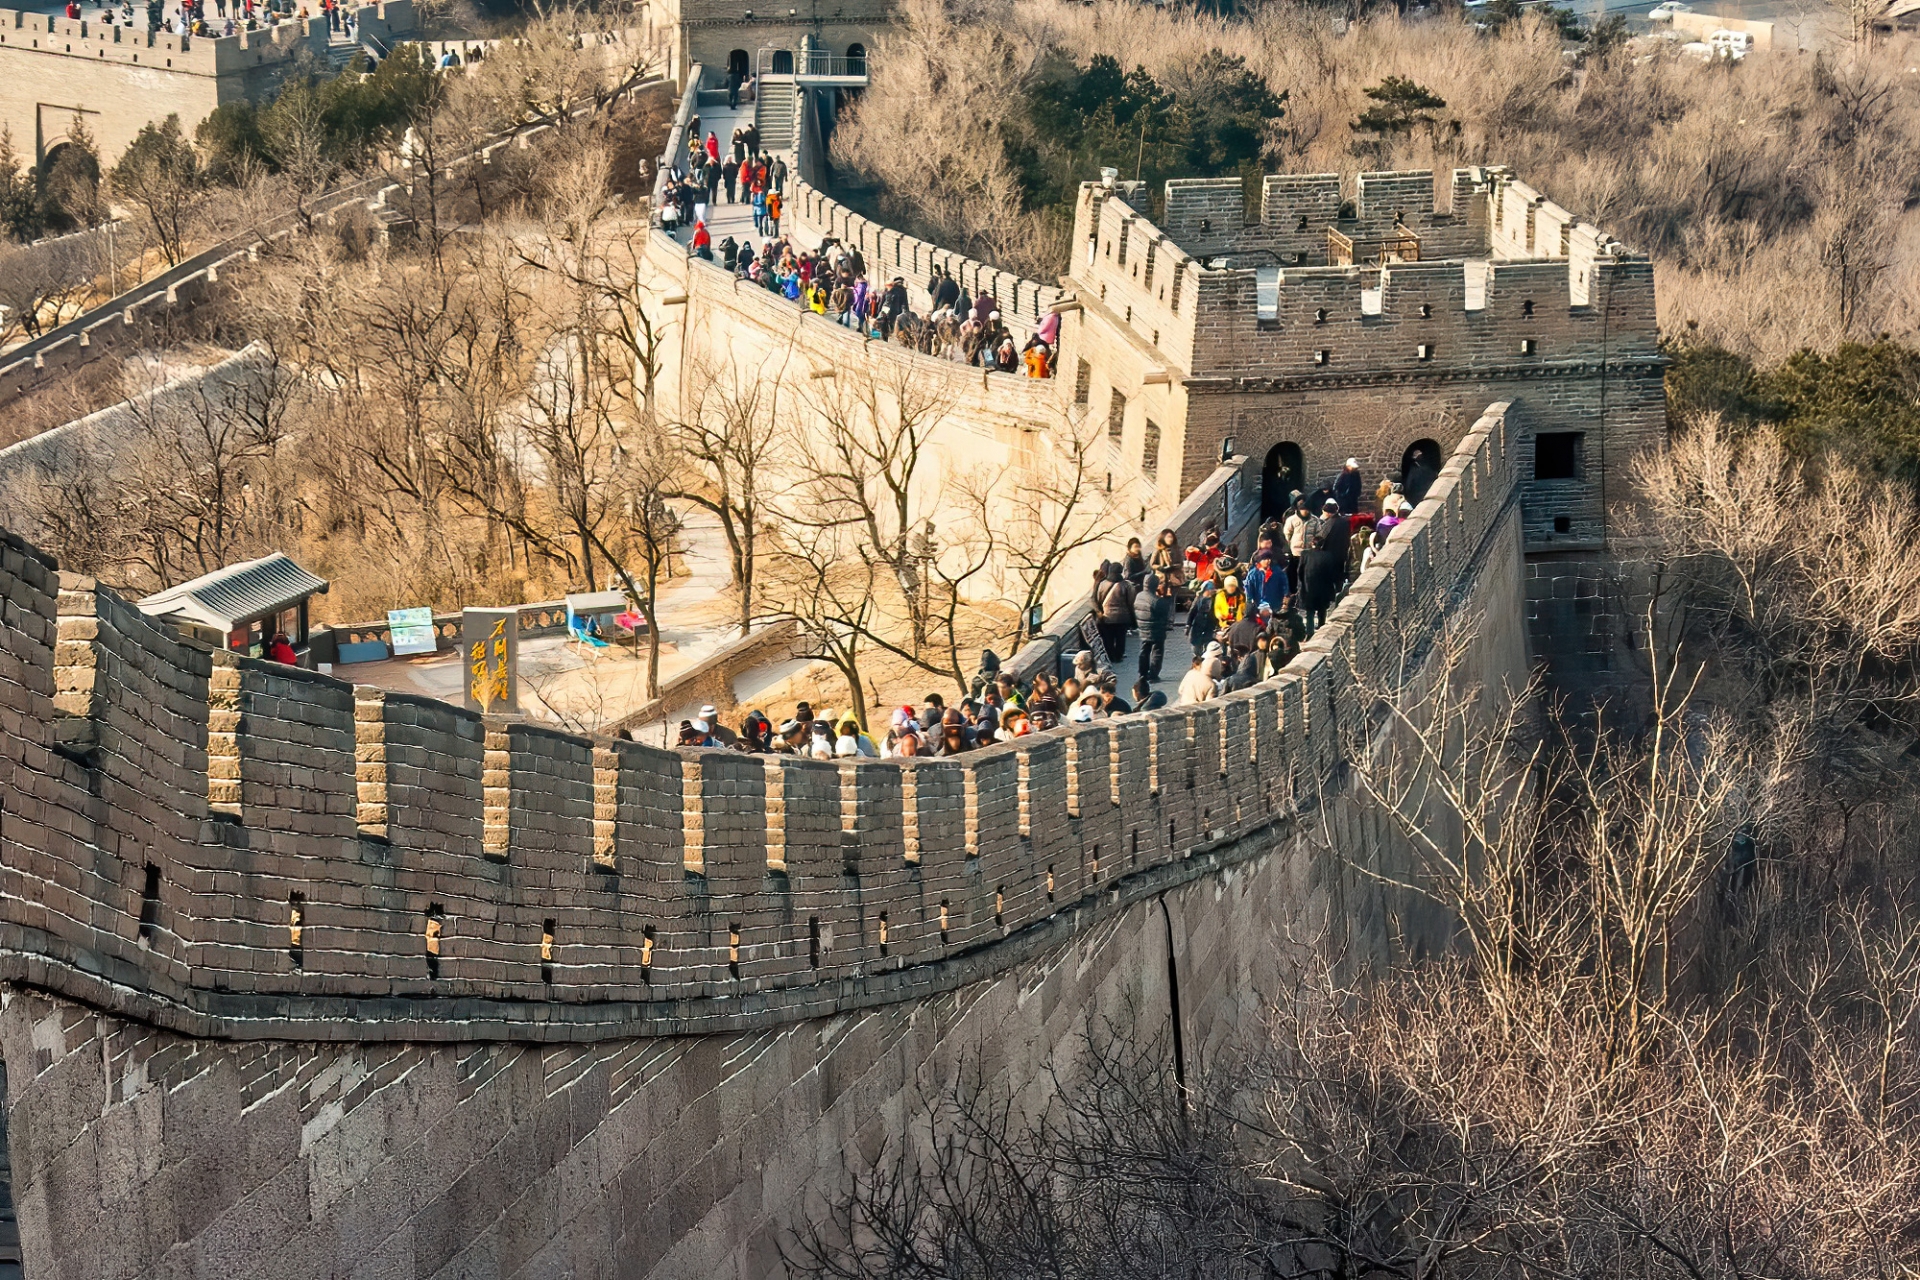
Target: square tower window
[[1150, 450], [1557, 455], [1116, 417], [1082, 382]]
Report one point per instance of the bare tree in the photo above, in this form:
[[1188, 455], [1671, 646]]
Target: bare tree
[[1048, 513], [732, 434], [817, 579]]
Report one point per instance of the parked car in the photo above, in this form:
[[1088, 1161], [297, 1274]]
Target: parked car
[[1664, 11]]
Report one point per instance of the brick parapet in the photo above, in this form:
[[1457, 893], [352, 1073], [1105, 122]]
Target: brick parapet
[[165, 51], [620, 888], [1561, 296]]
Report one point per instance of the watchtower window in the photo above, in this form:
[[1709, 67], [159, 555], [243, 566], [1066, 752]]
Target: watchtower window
[[1426, 311], [1082, 382], [1303, 223], [1150, 450], [1557, 455], [1526, 308], [1320, 315], [1116, 416]]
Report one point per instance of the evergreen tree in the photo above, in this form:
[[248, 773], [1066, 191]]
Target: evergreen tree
[[1398, 105]]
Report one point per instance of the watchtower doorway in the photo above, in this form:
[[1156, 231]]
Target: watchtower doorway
[[856, 59], [737, 64], [1285, 471], [1419, 468], [783, 62]]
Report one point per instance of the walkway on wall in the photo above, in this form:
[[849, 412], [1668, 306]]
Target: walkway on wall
[[736, 218]]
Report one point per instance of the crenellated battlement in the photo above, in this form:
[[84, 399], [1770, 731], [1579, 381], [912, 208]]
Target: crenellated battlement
[[1507, 280], [245, 51], [229, 846]]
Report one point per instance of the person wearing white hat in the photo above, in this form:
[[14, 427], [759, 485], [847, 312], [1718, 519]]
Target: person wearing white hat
[[1347, 489], [722, 735]]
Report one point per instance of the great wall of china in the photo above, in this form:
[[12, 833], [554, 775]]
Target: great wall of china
[[310, 980]]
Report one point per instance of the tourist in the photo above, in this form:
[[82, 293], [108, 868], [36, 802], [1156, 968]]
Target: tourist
[[1321, 571], [1153, 616], [1375, 545], [1166, 553], [1201, 623], [904, 735], [1336, 535], [1113, 601], [791, 739], [1196, 686], [1346, 489], [1229, 604], [851, 740], [1203, 556], [756, 733], [280, 649], [1422, 471]]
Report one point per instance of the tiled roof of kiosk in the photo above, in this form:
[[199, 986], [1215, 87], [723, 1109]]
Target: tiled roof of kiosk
[[231, 595]]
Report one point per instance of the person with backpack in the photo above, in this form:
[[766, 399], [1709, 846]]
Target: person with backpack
[[1113, 601]]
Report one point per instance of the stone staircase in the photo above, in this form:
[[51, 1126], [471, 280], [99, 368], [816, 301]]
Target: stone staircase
[[776, 114]]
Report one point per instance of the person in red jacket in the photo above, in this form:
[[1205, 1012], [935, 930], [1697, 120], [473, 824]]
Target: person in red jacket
[[280, 649]]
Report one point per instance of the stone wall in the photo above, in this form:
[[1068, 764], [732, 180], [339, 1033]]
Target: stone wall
[[133, 317], [242, 784], [309, 980], [723, 337], [117, 78], [892, 253], [1343, 361]]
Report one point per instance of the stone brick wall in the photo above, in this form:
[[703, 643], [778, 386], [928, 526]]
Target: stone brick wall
[[892, 253], [692, 982], [117, 78], [1532, 307], [166, 806]]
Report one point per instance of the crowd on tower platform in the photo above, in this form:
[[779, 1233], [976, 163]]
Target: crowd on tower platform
[[1245, 618], [832, 281]]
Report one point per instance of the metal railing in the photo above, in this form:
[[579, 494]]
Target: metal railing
[[811, 64], [1398, 245]]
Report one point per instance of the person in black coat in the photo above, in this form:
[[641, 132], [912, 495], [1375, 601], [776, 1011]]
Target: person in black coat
[[1421, 473], [1346, 489], [1336, 534], [1320, 574], [1201, 624]]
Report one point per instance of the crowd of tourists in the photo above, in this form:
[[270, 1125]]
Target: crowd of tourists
[[832, 280], [1244, 619], [229, 17]]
